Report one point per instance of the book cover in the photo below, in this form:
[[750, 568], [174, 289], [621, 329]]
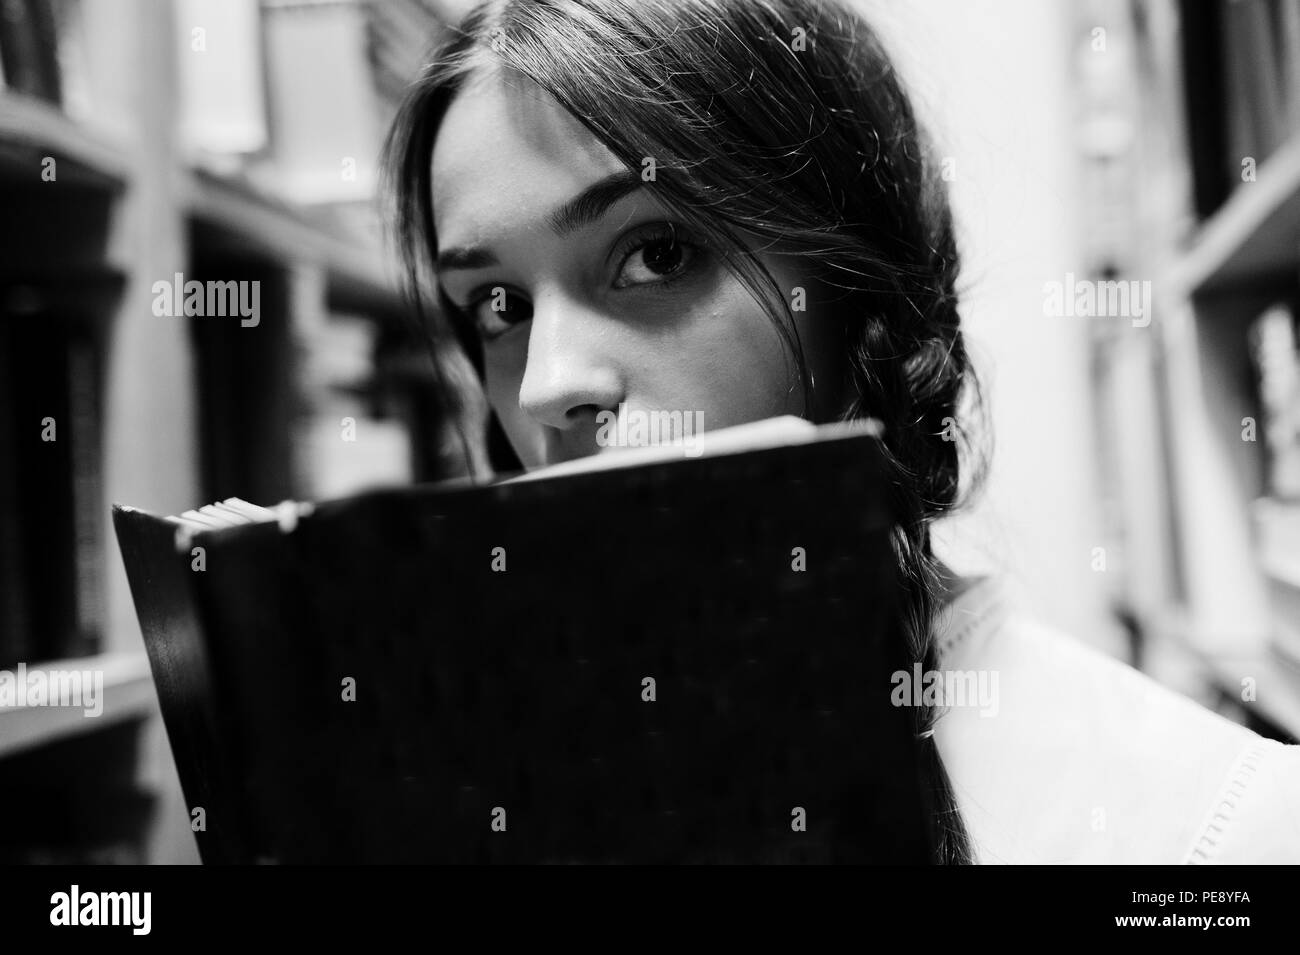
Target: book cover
[[676, 661]]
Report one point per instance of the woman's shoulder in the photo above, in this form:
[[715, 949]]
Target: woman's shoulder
[[1256, 818], [1081, 758]]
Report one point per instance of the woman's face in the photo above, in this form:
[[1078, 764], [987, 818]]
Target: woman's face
[[588, 296]]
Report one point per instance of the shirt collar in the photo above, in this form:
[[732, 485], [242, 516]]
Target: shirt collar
[[966, 621]]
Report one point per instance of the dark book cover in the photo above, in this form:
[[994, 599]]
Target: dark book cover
[[684, 661]]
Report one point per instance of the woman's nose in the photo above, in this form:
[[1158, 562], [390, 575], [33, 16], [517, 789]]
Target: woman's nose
[[569, 376]]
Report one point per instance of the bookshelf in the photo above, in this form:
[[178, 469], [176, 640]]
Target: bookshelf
[[165, 412], [128, 695], [1215, 203], [31, 129], [1252, 238], [235, 215]]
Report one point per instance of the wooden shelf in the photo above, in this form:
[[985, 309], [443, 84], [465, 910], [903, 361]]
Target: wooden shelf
[[31, 129], [1254, 237], [235, 215], [1286, 572], [128, 693]]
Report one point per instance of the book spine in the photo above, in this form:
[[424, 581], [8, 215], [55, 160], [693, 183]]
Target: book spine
[[87, 497], [15, 620], [16, 42], [28, 48], [323, 139], [73, 56], [173, 626], [1258, 59], [1289, 39], [1276, 360], [1243, 135], [46, 51], [223, 114]]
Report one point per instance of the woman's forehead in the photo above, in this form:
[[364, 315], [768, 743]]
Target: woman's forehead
[[507, 149]]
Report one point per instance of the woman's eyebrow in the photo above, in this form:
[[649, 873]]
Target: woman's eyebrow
[[590, 204], [583, 209]]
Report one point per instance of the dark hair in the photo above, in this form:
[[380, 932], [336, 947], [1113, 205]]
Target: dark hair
[[783, 119]]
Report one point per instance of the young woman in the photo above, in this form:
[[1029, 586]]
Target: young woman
[[728, 206]]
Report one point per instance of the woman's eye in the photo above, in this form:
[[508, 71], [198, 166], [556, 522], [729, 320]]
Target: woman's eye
[[499, 311], [655, 260]]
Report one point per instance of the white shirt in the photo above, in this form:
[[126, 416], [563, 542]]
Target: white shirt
[[1086, 760]]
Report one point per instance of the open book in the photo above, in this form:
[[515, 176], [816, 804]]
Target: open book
[[639, 657]]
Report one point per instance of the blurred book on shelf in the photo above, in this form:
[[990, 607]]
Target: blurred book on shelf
[[1255, 60], [79, 801], [1288, 38], [345, 443], [325, 134], [29, 49], [1276, 359], [51, 506], [1259, 52], [222, 109], [43, 53], [73, 55], [1277, 529], [294, 95]]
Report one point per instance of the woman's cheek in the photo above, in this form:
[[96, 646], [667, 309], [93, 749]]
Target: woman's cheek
[[710, 349], [737, 366]]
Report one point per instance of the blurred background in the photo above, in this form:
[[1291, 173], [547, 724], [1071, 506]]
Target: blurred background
[[1145, 489]]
